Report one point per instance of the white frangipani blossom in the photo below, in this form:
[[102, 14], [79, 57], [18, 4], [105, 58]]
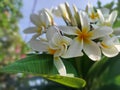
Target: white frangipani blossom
[[84, 39], [63, 10], [108, 46], [41, 22], [55, 44], [93, 15], [105, 18]]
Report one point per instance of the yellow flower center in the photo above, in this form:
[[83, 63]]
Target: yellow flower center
[[94, 15], [44, 25], [51, 51], [84, 35], [39, 30]]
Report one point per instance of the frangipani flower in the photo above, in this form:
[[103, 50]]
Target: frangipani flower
[[63, 10], [84, 39], [108, 46], [41, 21], [56, 44], [105, 18], [108, 20], [93, 15]]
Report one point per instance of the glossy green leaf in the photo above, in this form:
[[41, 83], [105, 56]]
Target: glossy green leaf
[[73, 82], [37, 64], [43, 65], [106, 76], [97, 68]]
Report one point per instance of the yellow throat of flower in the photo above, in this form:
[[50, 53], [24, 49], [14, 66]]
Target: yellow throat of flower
[[51, 51], [84, 35], [94, 15]]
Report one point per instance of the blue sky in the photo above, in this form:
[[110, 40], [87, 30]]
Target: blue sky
[[33, 6]]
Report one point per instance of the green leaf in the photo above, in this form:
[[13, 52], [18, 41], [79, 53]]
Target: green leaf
[[73, 82], [97, 68], [43, 65], [105, 75], [37, 64], [117, 24]]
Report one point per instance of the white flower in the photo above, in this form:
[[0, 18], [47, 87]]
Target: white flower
[[56, 44], [41, 22], [84, 39], [93, 15], [105, 18], [63, 10], [108, 46]]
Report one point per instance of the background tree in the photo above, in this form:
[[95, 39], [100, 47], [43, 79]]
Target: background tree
[[12, 46]]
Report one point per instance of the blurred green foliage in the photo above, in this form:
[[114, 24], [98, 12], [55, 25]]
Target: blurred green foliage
[[11, 44]]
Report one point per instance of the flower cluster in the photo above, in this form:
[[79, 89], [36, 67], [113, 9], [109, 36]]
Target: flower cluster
[[87, 32]]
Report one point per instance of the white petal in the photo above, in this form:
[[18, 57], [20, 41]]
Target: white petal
[[116, 42], [56, 11], [107, 40], [118, 47], [59, 39], [61, 50], [63, 10], [100, 15], [50, 32], [75, 9], [35, 19], [75, 49], [112, 17], [45, 18], [55, 40], [30, 30], [60, 66], [92, 50], [105, 11], [59, 42], [49, 12], [84, 20], [90, 6], [38, 45], [101, 31], [68, 30], [66, 40], [110, 52], [52, 45], [117, 31]]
